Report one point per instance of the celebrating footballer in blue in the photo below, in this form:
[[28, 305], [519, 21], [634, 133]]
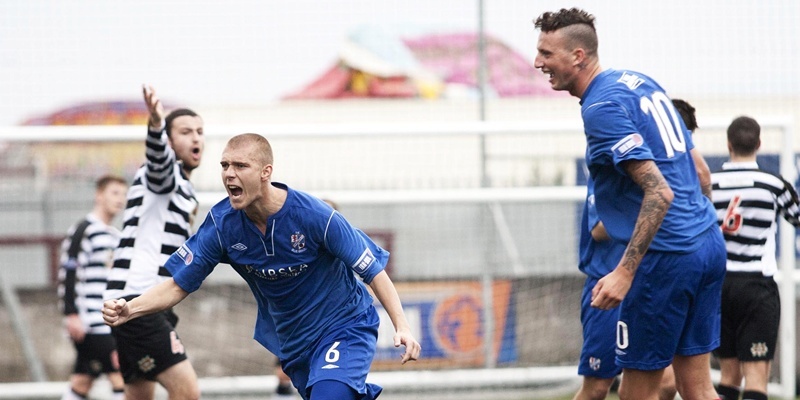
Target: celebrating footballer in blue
[[300, 258], [668, 281]]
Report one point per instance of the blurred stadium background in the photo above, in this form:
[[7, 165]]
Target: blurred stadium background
[[450, 150]]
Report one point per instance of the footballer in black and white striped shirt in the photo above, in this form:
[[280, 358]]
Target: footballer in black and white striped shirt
[[748, 202], [86, 256], [161, 206]]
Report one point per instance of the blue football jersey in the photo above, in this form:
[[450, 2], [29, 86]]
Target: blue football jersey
[[300, 271], [628, 116], [597, 258]]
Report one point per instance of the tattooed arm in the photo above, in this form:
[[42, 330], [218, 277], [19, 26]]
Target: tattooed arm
[[612, 288]]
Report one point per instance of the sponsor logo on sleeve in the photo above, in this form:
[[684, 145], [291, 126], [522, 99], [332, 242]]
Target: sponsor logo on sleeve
[[364, 261], [627, 144], [185, 254]]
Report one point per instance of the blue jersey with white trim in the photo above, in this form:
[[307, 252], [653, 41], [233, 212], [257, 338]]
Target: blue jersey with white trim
[[300, 271], [628, 116]]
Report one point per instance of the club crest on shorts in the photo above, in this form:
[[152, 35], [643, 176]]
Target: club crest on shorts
[[298, 242], [594, 363], [758, 349], [146, 363]]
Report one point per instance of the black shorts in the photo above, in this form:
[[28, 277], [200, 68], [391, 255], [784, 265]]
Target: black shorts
[[148, 345], [751, 313], [95, 355]]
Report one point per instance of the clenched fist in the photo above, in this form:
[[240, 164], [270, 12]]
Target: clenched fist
[[116, 312]]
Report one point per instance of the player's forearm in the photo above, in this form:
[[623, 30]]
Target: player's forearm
[[158, 298], [160, 174], [703, 172], [386, 293], [654, 208], [69, 292], [656, 201]]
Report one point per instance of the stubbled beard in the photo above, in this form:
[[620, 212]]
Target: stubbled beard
[[187, 167]]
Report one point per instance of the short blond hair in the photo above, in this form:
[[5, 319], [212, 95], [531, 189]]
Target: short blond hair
[[259, 145]]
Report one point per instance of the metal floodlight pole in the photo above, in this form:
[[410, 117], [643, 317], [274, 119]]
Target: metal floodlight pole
[[481, 81], [486, 279]]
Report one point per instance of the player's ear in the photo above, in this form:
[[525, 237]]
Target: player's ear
[[578, 57], [266, 172]]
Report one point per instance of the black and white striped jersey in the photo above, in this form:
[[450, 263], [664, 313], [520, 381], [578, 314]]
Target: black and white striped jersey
[[157, 220], [84, 271], [748, 202]]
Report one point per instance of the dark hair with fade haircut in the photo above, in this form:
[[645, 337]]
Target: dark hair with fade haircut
[[687, 113], [106, 180], [579, 23], [181, 112], [744, 135]]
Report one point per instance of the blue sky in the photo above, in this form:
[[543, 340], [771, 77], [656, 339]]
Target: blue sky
[[55, 53]]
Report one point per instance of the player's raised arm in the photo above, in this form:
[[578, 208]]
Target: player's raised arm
[[154, 108]]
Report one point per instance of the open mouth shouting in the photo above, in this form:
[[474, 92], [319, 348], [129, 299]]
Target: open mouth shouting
[[234, 191]]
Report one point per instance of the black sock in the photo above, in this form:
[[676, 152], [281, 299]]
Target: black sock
[[753, 395], [728, 392], [284, 389]]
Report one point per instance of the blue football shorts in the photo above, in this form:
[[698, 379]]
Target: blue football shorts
[[599, 340], [343, 354], [673, 306]]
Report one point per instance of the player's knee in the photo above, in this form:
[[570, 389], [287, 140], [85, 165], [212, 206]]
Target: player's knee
[[667, 389], [596, 389], [81, 383], [667, 392], [597, 393], [180, 380], [184, 390], [189, 392]]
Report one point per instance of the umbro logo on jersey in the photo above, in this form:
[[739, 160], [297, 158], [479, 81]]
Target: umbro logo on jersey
[[330, 366], [239, 246]]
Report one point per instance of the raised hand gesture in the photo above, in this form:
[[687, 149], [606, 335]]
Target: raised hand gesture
[[154, 107]]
